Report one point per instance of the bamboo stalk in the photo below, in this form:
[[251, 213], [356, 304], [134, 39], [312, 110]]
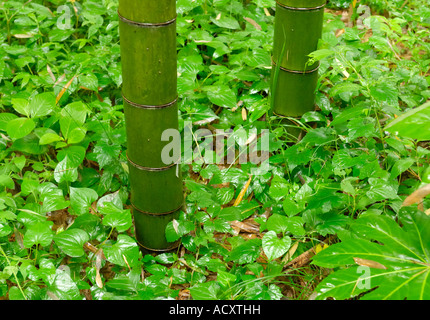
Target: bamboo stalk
[[298, 27], [149, 68]]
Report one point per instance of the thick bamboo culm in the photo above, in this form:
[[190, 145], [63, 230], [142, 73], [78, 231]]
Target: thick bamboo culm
[[149, 68], [298, 27]]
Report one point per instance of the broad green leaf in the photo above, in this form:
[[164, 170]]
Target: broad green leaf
[[381, 190], [227, 22], [279, 188], [118, 218], [291, 207], [89, 223], [81, 199], [89, 81], [401, 166], [29, 144], [178, 228], [226, 279], [5, 117], [67, 126], [5, 230], [6, 181], [412, 124], [225, 195], [221, 95], [62, 286], [205, 291], [384, 92], [273, 246], [49, 137], [246, 252], [65, 171], [71, 241], [75, 155], [345, 87], [20, 127], [281, 224], [124, 247], [39, 233], [398, 259], [21, 106], [230, 214], [42, 104], [76, 111], [76, 135]]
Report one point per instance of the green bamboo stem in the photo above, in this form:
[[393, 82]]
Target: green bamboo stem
[[149, 68], [298, 27]]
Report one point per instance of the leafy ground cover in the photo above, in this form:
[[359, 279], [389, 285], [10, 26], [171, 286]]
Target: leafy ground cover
[[337, 190]]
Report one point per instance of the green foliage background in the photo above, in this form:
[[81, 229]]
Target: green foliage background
[[65, 225]]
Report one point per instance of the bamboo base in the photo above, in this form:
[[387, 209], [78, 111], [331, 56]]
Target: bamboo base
[[294, 93], [149, 227]]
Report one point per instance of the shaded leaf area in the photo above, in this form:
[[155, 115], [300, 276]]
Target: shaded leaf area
[[396, 265]]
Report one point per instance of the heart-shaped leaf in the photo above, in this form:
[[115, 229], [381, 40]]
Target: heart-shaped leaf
[[72, 241], [274, 247], [20, 127]]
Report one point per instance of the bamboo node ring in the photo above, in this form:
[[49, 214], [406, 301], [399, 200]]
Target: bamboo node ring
[[145, 24], [300, 9]]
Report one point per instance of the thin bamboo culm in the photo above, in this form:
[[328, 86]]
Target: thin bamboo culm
[[298, 28], [149, 68]]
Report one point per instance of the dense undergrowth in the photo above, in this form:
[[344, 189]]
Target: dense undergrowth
[[66, 230]]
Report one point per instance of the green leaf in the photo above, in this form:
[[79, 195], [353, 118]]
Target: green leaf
[[246, 252], [72, 241], [221, 95], [124, 247], [42, 104], [5, 230], [344, 87], [225, 195], [5, 117], [401, 166], [291, 207], [62, 286], [177, 228], [20, 127], [412, 124], [230, 214], [65, 171], [75, 155], [21, 106], [205, 291], [227, 22], [39, 233], [279, 188], [384, 92], [6, 181], [81, 199], [76, 111], [282, 224], [49, 137], [393, 260], [274, 247], [381, 190], [89, 81], [117, 218], [225, 279]]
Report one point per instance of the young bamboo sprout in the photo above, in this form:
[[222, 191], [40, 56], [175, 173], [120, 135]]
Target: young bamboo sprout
[[149, 69], [298, 27]]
